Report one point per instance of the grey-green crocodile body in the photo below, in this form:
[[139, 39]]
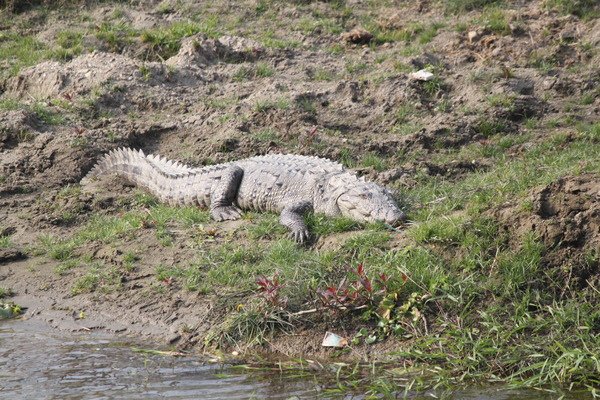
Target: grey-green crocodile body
[[287, 184]]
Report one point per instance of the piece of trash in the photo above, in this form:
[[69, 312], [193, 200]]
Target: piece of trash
[[235, 353], [422, 75], [473, 35], [333, 340]]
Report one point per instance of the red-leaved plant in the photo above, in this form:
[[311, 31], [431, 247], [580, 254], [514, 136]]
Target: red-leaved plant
[[361, 292], [270, 290]]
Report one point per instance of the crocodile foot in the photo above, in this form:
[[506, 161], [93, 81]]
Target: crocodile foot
[[300, 235], [225, 213]]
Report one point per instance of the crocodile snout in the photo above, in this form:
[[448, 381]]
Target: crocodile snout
[[394, 218]]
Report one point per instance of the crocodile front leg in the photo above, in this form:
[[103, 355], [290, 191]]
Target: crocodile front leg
[[292, 218], [225, 193]]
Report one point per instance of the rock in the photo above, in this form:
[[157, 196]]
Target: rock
[[549, 83]]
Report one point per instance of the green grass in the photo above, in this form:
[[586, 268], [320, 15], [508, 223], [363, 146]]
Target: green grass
[[461, 6], [501, 100], [495, 20], [70, 44], [166, 41], [585, 9], [5, 242], [267, 135], [430, 32], [322, 75], [265, 227], [272, 104], [269, 39], [407, 34], [116, 35], [4, 292], [372, 160], [489, 127], [45, 113], [260, 70], [312, 25], [20, 51], [590, 132], [99, 277], [48, 115], [307, 105]]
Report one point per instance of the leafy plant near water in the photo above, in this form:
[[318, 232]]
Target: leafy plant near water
[[361, 291], [9, 310], [270, 290]]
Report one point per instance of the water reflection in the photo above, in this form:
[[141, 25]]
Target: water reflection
[[39, 364]]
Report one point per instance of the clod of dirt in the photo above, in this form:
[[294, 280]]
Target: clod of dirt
[[50, 78], [566, 218], [17, 126], [7, 231], [9, 255], [455, 169], [474, 36], [197, 51], [194, 51], [357, 36], [239, 48]]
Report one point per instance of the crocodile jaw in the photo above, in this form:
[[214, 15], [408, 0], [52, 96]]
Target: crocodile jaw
[[368, 202]]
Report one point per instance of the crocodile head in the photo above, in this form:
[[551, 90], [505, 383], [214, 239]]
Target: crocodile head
[[369, 202]]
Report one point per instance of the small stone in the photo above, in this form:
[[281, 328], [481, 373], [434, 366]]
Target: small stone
[[549, 83], [173, 338]]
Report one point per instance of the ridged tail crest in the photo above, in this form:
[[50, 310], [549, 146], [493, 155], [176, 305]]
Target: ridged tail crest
[[150, 172]]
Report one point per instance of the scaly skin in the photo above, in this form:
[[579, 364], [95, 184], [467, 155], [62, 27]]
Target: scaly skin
[[287, 184]]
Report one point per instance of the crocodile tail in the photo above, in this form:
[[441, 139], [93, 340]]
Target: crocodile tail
[[149, 172]]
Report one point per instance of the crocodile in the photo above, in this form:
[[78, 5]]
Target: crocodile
[[291, 185]]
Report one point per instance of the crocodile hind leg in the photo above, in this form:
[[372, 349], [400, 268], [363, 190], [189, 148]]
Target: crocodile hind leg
[[225, 193], [292, 218]]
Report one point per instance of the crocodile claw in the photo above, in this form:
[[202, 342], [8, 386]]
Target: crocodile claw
[[225, 213], [300, 235]]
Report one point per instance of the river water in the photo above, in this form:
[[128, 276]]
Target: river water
[[37, 362]]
